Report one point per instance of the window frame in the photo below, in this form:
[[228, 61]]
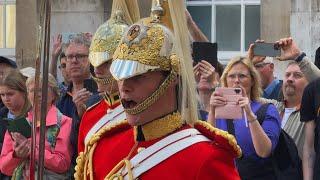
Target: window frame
[[10, 52], [224, 56]]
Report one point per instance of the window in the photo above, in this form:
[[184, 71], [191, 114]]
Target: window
[[233, 24], [7, 27]]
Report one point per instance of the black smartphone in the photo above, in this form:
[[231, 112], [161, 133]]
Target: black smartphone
[[205, 51], [20, 125], [266, 49]]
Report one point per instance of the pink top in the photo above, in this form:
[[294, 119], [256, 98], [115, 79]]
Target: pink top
[[57, 160]]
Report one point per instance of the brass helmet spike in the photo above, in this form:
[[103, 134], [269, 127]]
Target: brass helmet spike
[[160, 13]]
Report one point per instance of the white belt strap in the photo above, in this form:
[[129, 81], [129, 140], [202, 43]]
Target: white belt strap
[[162, 150], [112, 116]]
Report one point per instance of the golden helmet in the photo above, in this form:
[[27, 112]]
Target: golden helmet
[[106, 39], [146, 46]]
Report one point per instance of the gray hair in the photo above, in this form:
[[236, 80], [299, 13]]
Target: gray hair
[[80, 38]]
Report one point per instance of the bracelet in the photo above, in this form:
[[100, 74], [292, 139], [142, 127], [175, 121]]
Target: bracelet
[[254, 119], [300, 57]]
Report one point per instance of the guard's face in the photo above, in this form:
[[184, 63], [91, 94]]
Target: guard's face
[[135, 90], [103, 71]]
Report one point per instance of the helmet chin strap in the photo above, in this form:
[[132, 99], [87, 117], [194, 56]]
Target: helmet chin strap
[[154, 96], [103, 81]]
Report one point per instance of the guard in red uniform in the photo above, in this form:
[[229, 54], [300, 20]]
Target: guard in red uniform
[[161, 137], [105, 107]]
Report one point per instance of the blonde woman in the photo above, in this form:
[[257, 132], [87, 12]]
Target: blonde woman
[[256, 141]]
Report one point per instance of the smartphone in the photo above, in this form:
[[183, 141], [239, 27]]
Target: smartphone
[[232, 109], [20, 125], [205, 51], [266, 49]]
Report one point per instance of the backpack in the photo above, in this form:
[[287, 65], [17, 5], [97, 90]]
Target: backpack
[[316, 167], [285, 160]]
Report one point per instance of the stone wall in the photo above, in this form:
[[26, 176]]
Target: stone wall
[[305, 25], [26, 33], [67, 16], [275, 24]]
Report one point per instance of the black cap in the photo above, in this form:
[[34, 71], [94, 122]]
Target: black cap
[[8, 61]]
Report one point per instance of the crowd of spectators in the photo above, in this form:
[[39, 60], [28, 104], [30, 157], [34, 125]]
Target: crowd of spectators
[[294, 98]]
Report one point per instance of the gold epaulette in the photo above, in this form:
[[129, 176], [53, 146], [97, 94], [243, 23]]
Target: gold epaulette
[[84, 167], [221, 137]]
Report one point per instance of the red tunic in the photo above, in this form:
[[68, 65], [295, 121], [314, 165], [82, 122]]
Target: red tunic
[[203, 160], [92, 115]]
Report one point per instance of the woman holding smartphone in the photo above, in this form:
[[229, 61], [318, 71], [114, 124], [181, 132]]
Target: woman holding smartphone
[[13, 94], [14, 159], [256, 141]]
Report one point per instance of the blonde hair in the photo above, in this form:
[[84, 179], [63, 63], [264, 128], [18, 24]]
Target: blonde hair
[[52, 83], [255, 92], [16, 81]]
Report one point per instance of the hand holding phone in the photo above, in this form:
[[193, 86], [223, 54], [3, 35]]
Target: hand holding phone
[[19, 125], [231, 109]]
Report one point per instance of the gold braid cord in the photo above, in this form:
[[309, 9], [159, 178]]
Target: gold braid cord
[[84, 167], [155, 95], [114, 173], [103, 81]]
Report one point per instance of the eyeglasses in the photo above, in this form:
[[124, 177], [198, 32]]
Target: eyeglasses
[[62, 66], [79, 57], [241, 76], [260, 65]]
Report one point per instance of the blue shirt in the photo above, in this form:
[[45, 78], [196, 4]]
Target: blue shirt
[[271, 126], [10, 115], [273, 90]]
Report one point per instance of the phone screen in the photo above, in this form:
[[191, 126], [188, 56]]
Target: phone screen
[[266, 49], [205, 51]]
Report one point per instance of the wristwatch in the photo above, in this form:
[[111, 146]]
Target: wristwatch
[[300, 57]]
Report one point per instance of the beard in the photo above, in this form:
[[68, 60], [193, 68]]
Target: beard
[[289, 90]]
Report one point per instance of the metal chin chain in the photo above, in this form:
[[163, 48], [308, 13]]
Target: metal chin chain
[[111, 88], [103, 81]]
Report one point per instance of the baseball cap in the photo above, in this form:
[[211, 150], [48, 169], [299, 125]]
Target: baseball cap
[[8, 61]]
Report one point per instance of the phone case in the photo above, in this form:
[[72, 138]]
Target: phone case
[[266, 49], [20, 125], [205, 51], [231, 110]]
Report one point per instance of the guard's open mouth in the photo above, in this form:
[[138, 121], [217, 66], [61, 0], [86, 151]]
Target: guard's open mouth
[[128, 104]]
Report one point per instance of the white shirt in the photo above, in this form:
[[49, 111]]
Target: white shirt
[[286, 114]]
